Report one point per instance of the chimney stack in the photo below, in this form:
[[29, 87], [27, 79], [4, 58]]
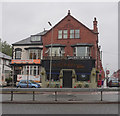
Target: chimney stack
[[95, 29], [68, 12]]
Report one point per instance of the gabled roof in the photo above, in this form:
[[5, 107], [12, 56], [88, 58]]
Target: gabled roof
[[74, 19], [4, 56], [28, 41]]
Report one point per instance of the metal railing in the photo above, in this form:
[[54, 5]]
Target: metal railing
[[56, 90]]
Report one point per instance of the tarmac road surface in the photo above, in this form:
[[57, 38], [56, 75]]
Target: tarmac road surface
[[59, 108]]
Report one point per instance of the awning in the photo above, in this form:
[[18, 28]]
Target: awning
[[22, 62], [82, 44], [55, 45]]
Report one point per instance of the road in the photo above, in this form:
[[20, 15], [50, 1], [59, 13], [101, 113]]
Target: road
[[59, 108]]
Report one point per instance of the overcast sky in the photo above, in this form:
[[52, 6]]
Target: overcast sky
[[20, 20]]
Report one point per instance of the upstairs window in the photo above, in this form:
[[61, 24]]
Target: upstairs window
[[81, 51], [60, 34], [18, 53], [72, 34], [77, 33], [56, 51], [65, 34], [35, 38], [34, 54]]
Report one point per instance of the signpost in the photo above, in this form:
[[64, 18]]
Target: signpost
[[107, 73]]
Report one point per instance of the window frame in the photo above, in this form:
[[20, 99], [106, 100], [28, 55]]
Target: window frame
[[60, 35], [37, 53], [72, 33], [60, 51], [65, 34], [20, 53], [35, 38], [87, 51], [77, 34]]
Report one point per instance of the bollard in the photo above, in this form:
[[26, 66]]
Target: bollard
[[101, 95], [55, 95], [33, 96], [11, 95]]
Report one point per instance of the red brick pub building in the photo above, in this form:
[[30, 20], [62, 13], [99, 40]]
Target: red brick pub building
[[75, 52]]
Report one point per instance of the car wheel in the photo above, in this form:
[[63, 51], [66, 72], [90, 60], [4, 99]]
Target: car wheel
[[33, 87]]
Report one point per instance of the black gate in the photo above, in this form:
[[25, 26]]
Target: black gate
[[67, 79]]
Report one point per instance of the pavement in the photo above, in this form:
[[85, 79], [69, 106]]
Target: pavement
[[62, 98]]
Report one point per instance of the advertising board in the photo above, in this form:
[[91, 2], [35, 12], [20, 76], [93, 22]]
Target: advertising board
[[29, 77]]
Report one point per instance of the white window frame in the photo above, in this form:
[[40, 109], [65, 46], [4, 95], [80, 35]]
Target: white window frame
[[36, 51], [60, 33], [86, 51], [72, 33], [58, 51], [36, 38], [65, 34], [77, 34], [18, 54]]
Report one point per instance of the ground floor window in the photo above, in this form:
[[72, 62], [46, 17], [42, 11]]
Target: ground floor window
[[28, 70], [18, 70], [83, 77], [31, 70], [54, 77]]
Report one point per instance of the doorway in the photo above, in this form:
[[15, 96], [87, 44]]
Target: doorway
[[67, 78]]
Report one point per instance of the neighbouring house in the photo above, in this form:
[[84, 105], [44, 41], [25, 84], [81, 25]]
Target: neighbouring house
[[5, 68], [27, 55]]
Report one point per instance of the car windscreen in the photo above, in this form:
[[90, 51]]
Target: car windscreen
[[33, 82]]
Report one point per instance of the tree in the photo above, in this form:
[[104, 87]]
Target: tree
[[5, 48], [0, 46]]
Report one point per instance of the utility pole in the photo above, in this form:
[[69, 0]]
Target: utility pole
[[51, 54]]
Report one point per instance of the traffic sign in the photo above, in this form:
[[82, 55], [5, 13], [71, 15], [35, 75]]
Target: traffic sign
[[107, 72]]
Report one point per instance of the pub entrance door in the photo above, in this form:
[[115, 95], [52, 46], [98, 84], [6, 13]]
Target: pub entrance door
[[67, 78]]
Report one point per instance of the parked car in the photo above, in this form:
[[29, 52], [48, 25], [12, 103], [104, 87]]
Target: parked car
[[114, 83], [29, 84]]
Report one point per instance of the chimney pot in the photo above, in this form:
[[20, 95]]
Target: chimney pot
[[94, 18], [95, 25], [68, 12]]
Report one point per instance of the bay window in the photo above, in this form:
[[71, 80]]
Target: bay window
[[34, 54], [81, 51], [56, 51], [31, 70]]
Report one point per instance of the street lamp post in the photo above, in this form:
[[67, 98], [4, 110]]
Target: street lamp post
[[51, 53]]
